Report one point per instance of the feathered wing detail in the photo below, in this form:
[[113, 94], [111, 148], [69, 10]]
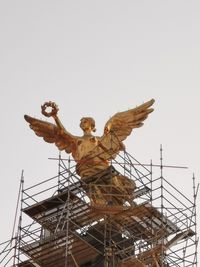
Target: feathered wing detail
[[121, 125], [52, 134]]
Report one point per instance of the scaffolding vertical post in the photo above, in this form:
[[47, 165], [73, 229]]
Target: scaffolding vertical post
[[105, 242], [20, 218], [195, 191], [67, 219], [162, 201], [59, 170], [151, 197], [108, 253], [67, 232], [18, 234]]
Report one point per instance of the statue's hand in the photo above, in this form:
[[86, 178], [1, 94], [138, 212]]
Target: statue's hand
[[54, 109], [53, 113]]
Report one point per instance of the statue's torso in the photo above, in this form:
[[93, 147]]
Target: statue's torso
[[86, 146], [89, 156]]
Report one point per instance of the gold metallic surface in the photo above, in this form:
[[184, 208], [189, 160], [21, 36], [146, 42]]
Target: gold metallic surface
[[91, 153]]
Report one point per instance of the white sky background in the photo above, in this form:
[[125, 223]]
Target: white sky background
[[95, 58]]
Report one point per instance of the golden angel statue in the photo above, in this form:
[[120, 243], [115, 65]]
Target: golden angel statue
[[92, 154]]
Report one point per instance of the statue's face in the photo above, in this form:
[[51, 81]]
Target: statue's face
[[85, 124]]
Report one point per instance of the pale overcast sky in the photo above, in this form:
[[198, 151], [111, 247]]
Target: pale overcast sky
[[95, 58]]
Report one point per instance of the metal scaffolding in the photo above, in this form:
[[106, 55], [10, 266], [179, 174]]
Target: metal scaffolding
[[138, 220]]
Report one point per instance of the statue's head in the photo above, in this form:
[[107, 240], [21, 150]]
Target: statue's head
[[87, 123]]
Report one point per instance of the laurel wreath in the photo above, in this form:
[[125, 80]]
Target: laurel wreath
[[54, 109]]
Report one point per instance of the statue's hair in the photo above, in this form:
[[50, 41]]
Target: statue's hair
[[92, 121]]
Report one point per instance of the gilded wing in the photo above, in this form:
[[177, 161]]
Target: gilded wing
[[121, 125], [52, 134]]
